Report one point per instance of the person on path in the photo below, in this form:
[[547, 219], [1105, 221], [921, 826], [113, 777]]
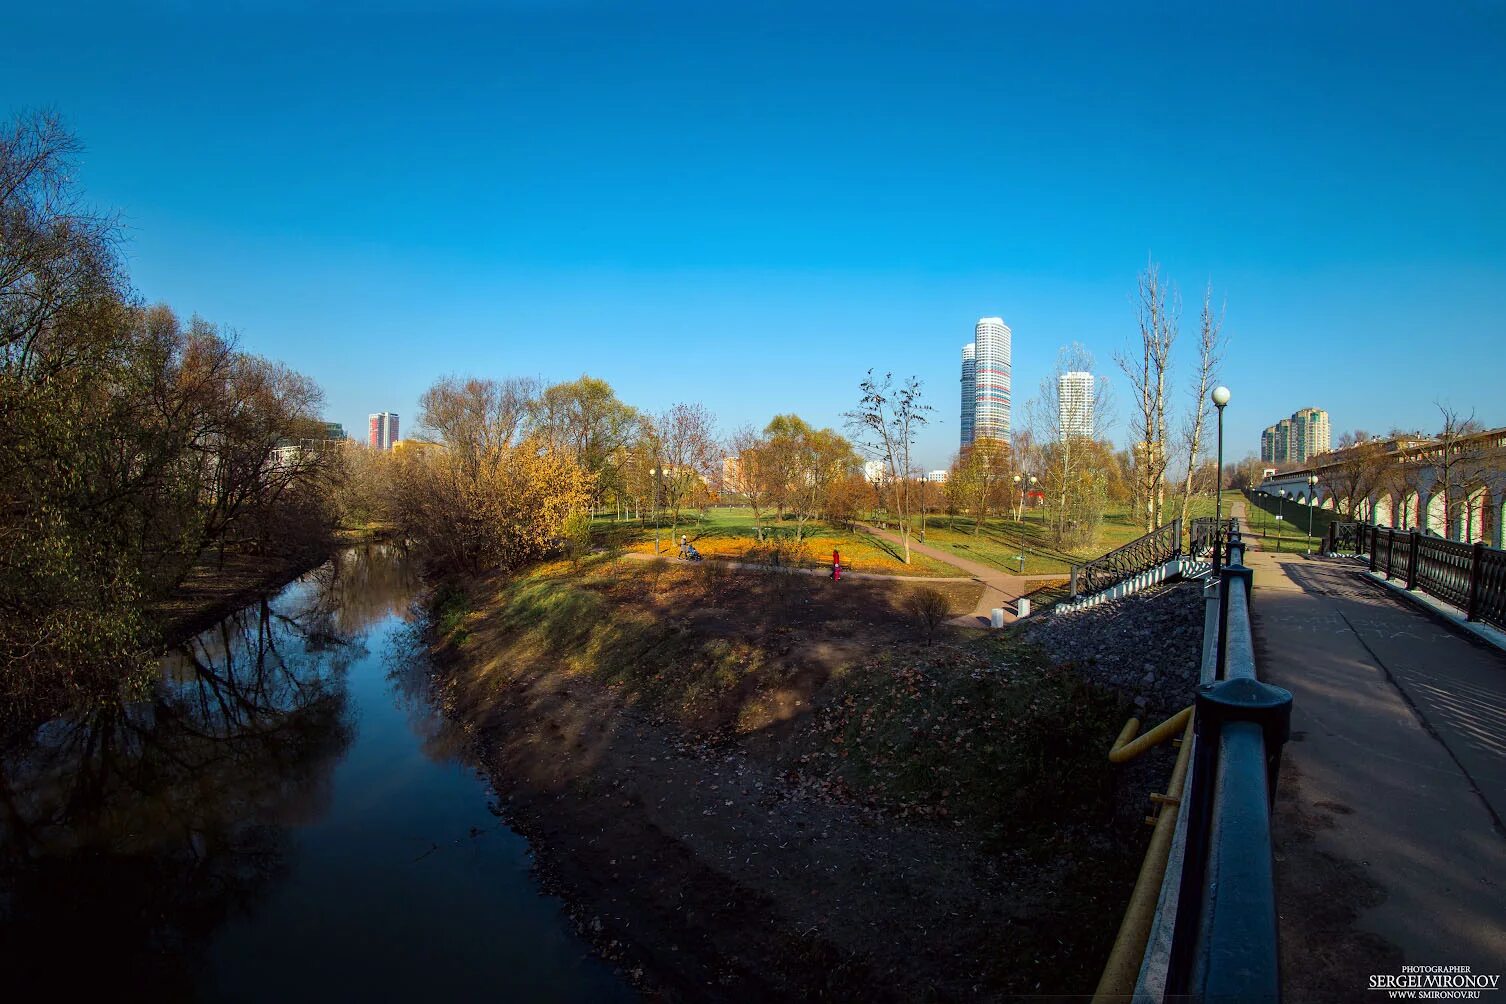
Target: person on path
[[684, 545], [836, 565]]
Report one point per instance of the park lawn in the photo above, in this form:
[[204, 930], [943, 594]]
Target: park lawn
[[1286, 535], [728, 533], [997, 542]]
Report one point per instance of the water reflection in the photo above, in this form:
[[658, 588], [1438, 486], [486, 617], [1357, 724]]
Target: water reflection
[[137, 828], [284, 802]]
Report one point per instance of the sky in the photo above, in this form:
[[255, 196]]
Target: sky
[[751, 204]]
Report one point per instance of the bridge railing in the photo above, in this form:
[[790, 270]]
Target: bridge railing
[[1203, 534], [1214, 936], [1142, 554], [1471, 577]]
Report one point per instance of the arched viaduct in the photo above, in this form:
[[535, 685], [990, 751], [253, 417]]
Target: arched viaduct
[[1452, 488]]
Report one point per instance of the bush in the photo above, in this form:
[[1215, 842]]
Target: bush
[[930, 608]]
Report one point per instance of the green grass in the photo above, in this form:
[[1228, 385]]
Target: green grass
[[1288, 535], [997, 541], [729, 533]]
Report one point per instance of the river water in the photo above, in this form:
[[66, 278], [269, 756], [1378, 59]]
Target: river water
[[286, 818]]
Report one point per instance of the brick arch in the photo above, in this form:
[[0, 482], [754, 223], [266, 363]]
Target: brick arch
[[1385, 509]]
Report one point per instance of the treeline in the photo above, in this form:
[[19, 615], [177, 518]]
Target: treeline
[[134, 445]]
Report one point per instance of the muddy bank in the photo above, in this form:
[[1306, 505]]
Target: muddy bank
[[211, 591], [749, 788]]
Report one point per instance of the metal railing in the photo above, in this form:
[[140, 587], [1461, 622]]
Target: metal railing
[[1203, 534], [1142, 554], [1217, 922], [1471, 577]]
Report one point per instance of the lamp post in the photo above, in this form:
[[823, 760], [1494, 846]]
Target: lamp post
[[1312, 486], [1019, 517], [1220, 398], [1280, 515]]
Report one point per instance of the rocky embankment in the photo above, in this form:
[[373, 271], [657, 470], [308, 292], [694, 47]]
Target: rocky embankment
[[1147, 647]]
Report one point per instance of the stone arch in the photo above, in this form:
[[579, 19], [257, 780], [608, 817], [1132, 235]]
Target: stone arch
[[1328, 503], [1497, 538], [1475, 514], [1436, 514], [1411, 508], [1385, 509]]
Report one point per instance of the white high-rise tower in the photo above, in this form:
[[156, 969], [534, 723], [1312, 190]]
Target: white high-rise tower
[[1075, 404], [991, 346]]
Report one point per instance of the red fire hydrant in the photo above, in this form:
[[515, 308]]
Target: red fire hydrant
[[836, 564]]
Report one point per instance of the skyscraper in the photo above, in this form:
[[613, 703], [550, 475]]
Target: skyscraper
[[1310, 433], [991, 379], [969, 393], [1075, 404], [383, 430], [1297, 439]]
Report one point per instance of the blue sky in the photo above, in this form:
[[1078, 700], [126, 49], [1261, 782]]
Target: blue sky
[[750, 204]]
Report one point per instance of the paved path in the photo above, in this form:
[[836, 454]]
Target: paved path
[[1000, 589], [758, 566], [1388, 825]]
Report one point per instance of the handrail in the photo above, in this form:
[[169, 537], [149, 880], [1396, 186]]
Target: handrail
[[1471, 577], [1217, 921], [1145, 552]]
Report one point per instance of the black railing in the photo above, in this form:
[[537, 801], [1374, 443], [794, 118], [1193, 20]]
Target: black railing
[[1471, 577], [1203, 534], [1224, 935], [1142, 554]]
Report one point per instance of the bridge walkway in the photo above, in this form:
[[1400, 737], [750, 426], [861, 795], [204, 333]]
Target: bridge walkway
[[1389, 841]]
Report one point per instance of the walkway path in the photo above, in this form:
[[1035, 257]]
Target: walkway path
[[1388, 825], [758, 566], [1000, 589]]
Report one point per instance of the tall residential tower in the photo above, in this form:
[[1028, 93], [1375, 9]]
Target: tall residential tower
[[969, 393], [383, 430], [1075, 404], [985, 365]]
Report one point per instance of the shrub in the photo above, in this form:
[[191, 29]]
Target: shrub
[[930, 608]]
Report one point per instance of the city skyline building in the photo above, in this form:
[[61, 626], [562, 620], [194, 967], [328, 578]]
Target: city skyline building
[[986, 382], [382, 430], [1075, 404], [1294, 440], [969, 392]]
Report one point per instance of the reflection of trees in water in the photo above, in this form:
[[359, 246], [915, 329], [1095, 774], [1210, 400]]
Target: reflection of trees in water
[[409, 674], [133, 831]]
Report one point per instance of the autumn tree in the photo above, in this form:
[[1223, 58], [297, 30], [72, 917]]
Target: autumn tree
[[983, 472], [1073, 482], [586, 418], [494, 495]]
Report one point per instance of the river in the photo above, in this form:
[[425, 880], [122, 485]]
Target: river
[[284, 818]]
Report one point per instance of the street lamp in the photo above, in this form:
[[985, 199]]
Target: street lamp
[[1312, 486], [1019, 515], [1280, 515], [1220, 398]]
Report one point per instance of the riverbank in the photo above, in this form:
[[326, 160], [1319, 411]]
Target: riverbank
[[212, 590], [755, 786]]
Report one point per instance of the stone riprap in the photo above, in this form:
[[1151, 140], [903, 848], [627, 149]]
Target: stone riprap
[[1147, 647]]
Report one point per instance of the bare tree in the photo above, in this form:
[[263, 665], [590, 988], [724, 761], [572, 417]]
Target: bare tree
[[884, 427], [1157, 313], [1459, 462], [750, 449], [1356, 469], [1210, 354], [687, 451]]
